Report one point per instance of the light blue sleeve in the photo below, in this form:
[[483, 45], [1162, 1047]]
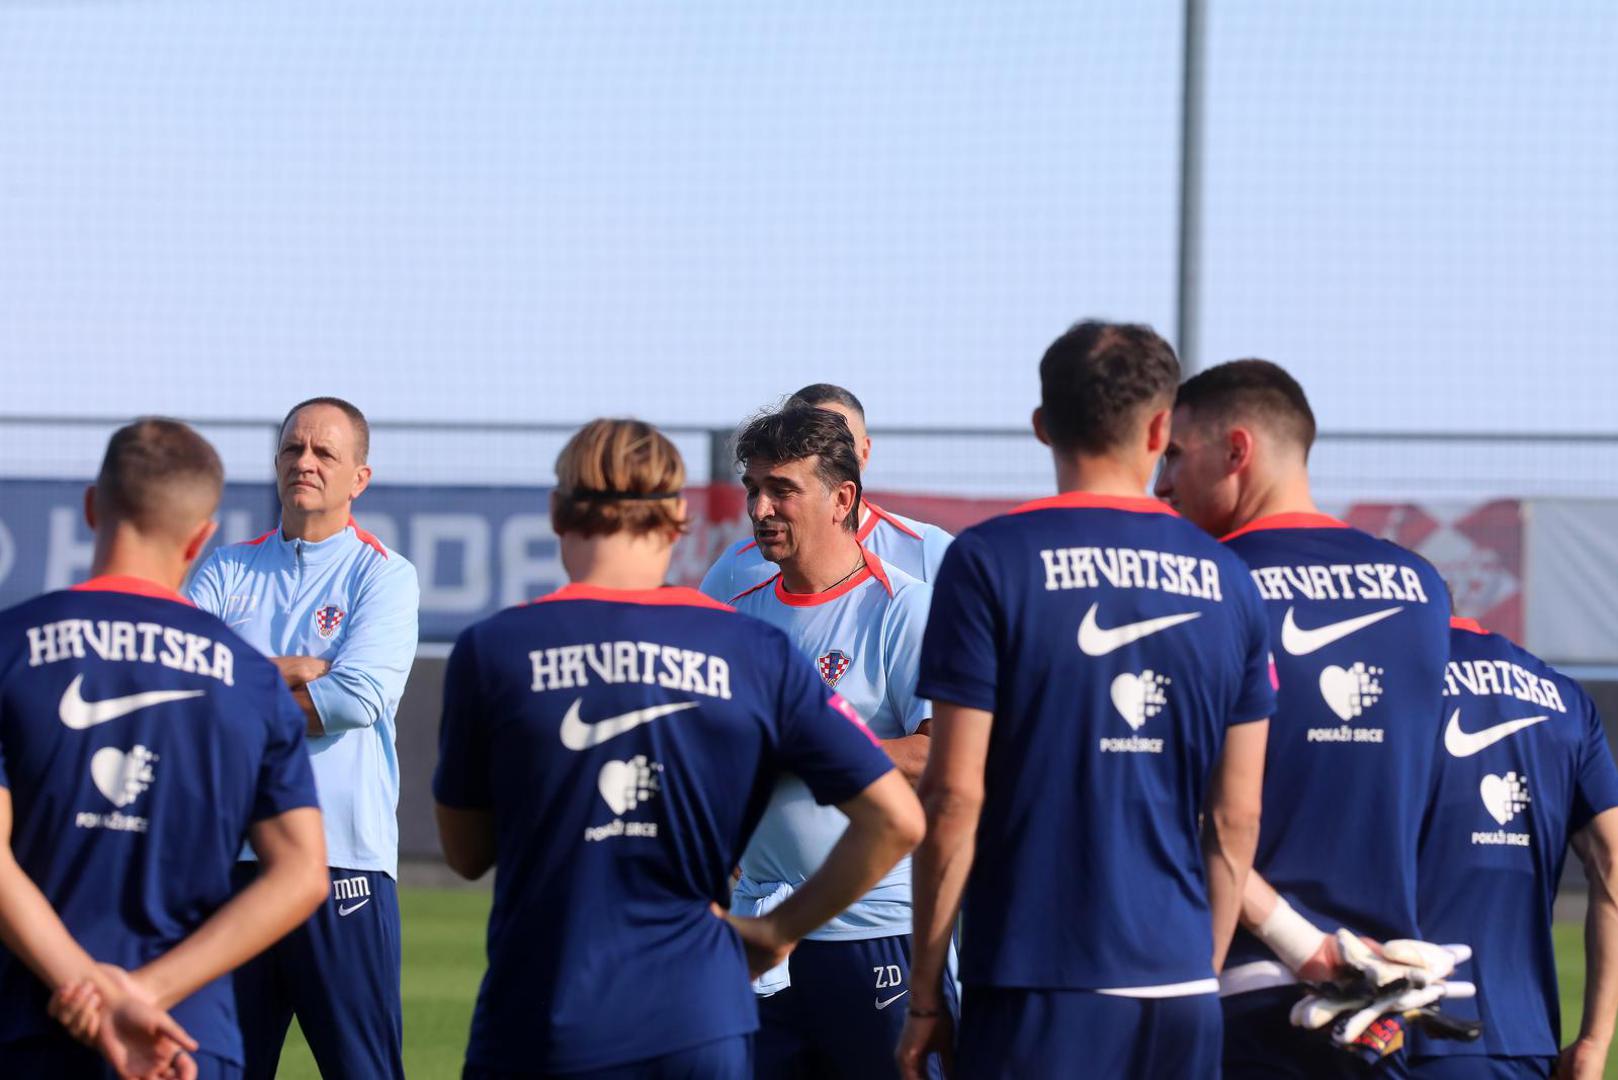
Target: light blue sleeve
[[206, 589], [716, 583], [368, 671], [934, 542], [902, 632]]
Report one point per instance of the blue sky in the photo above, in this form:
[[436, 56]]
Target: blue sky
[[551, 211]]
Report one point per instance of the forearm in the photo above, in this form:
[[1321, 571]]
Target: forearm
[[33, 932], [1259, 900], [938, 873], [1600, 957], [909, 755], [1228, 845]]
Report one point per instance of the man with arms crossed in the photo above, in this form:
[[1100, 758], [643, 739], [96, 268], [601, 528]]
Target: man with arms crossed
[[1525, 769], [1361, 634], [910, 545], [335, 610], [140, 743], [1100, 683], [829, 1011], [610, 747]]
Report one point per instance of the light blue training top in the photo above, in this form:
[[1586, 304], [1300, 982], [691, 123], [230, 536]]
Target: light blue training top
[[865, 639], [352, 602]]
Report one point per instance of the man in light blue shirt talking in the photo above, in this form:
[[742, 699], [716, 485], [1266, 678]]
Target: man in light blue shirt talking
[[335, 610], [836, 1007]]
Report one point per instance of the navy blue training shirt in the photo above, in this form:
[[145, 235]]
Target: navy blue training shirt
[[1361, 632], [627, 744], [140, 739], [1114, 642], [1524, 765]]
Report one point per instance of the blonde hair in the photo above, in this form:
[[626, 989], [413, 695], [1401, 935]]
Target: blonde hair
[[616, 476]]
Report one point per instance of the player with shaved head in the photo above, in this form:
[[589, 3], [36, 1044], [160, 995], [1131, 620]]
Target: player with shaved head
[[1100, 684], [141, 743], [610, 748], [1361, 633]]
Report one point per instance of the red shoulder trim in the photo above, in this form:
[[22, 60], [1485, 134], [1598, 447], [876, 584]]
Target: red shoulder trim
[[871, 569], [1470, 625], [1287, 521], [878, 512], [133, 585], [749, 546], [766, 583], [667, 596], [257, 540], [367, 539], [1083, 500]]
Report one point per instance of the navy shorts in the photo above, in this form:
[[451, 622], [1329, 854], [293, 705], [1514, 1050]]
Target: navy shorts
[[842, 1016], [339, 974], [1479, 1067], [58, 1057], [1262, 1044], [1038, 1033]]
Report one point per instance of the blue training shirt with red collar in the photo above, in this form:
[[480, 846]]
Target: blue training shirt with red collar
[[1524, 765], [138, 735], [1360, 627], [626, 744], [1114, 643]]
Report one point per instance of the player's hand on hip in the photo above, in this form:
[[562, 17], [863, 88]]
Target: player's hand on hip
[[1583, 1059], [924, 1036], [762, 940]]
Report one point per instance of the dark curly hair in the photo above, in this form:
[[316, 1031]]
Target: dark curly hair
[[798, 431], [1095, 379]]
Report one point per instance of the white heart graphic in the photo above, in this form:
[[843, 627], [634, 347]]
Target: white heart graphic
[[1497, 798], [617, 785], [1339, 687], [1129, 698], [122, 777]]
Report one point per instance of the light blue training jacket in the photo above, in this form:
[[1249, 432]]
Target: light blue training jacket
[[351, 601]]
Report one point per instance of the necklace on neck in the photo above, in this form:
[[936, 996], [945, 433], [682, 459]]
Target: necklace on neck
[[857, 568]]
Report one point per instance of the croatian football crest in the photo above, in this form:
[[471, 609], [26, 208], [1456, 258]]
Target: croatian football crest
[[834, 665], [328, 619]]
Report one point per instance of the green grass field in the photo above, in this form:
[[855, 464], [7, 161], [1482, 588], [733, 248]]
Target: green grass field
[[443, 962]]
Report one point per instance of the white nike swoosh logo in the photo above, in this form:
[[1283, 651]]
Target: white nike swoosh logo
[[79, 714], [891, 1000], [344, 909], [1464, 744], [1301, 642], [577, 735], [1094, 641]]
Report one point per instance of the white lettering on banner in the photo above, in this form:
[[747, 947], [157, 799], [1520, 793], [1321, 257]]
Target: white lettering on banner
[[383, 527], [525, 574], [8, 552], [469, 533], [67, 558]]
